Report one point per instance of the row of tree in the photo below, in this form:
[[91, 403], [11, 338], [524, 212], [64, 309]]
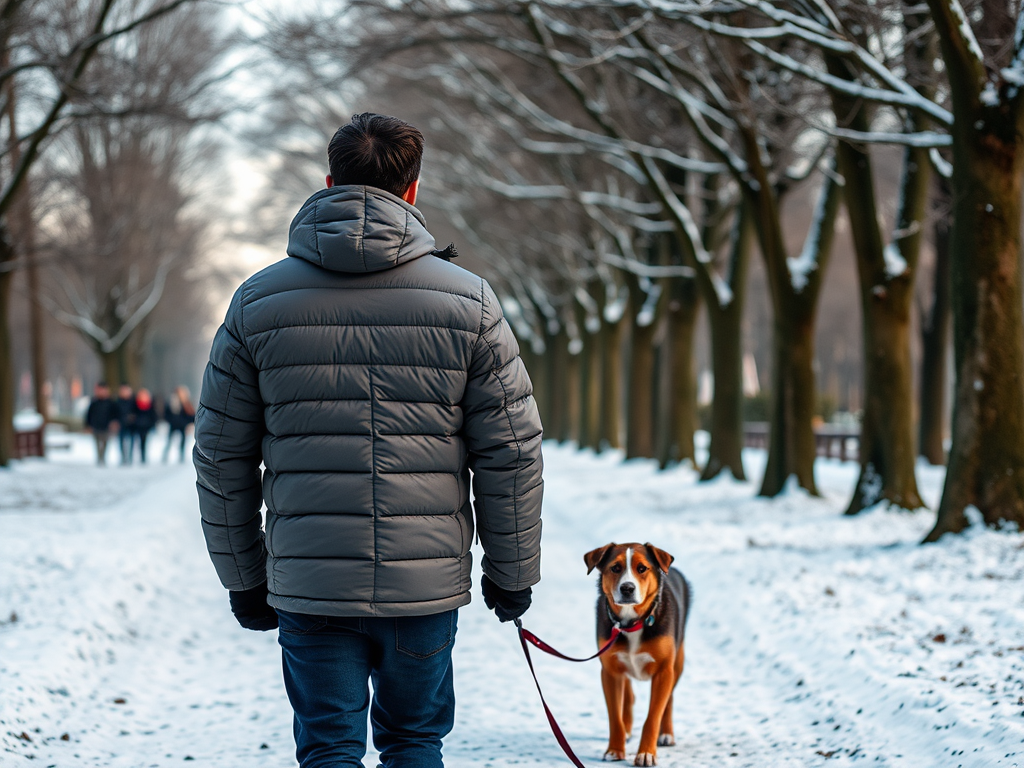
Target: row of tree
[[618, 162], [105, 105]]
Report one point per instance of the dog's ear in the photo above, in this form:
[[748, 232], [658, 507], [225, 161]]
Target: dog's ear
[[660, 556], [594, 557]]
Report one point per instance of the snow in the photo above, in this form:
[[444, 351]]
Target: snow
[[989, 95], [966, 33], [895, 264], [812, 635], [801, 267]]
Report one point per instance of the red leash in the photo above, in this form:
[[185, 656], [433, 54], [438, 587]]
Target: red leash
[[525, 637]]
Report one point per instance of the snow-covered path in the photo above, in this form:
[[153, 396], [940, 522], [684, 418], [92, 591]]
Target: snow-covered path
[[814, 639]]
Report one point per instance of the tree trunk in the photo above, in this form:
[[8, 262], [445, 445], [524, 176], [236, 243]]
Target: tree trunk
[[791, 445], [7, 391], [611, 384], [589, 382], [558, 353], [986, 461], [640, 393], [537, 364], [726, 321], [935, 329], [683, 310], [571, 420], [725, 452], [887, 453], [111, 365]]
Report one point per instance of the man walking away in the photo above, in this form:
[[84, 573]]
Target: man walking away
[[101, 414], [144, 420], [370, 378], [126, 422]]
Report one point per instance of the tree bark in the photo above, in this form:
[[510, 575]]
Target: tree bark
[[887, 452], [683, 310], [111, 365], [611, 384], [537, 364], [725, 452], [571, 398], [791, 444], [558, 353], [641, 389], [24, 231], [986, 461], [935, 331], [589, 382], [7, 391]]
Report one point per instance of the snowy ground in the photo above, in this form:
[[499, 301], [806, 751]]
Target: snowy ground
[[814, 639]]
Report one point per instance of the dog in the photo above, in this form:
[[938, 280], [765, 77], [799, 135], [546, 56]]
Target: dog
[[638, 586]]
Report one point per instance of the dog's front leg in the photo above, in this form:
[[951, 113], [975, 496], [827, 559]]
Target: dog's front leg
[[614, 691], [662, 683]]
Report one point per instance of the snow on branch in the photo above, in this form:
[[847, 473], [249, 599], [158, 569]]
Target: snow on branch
[[803, 266], [857, 90], [940, 164], [921, 139], [652, 271], [964, 30], [688, 228]]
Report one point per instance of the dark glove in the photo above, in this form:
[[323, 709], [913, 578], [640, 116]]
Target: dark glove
[[507, 605], [251, 609]]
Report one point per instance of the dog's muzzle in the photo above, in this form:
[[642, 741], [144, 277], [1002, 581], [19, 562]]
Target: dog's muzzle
[[627, 594]]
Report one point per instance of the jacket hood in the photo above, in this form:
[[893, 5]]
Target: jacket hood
[[358, 229]]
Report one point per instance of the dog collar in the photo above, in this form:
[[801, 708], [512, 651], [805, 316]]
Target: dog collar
[[648, 621]]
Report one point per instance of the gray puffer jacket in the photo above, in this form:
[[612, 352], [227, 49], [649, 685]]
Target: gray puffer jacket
[[369, 377]]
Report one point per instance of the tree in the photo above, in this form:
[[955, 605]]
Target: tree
[[51, 43], [986, 461]]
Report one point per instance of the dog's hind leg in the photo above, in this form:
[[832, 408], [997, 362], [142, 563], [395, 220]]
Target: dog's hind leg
[[627, 708], [666, 737]]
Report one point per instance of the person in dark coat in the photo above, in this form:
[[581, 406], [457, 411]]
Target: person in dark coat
[[373, 381], [144, 421], [179, 415], [125, 422], [101, 416]]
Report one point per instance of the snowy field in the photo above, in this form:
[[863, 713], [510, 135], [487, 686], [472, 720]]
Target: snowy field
[[814, 639]]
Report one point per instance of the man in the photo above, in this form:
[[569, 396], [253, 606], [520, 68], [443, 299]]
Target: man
[[369, 376], [101, 414], [126, 421]]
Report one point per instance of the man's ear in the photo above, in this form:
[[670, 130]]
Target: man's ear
[[330, 181], [594, 557], [660, 556], [412, 192]]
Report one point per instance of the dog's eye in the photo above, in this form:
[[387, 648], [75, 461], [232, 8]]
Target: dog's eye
[[616, 568], [641, 568]]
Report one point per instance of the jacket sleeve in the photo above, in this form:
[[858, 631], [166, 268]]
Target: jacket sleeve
[[228, 453], [503, 435]]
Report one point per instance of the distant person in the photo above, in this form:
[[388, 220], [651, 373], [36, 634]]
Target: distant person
[[101, 416], [145, 420], [125, 422], [370, 376], [179, 415]]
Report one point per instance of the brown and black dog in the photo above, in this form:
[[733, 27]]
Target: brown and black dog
[[639, 586]]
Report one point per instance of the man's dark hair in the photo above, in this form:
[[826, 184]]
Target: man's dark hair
[[376, 151]]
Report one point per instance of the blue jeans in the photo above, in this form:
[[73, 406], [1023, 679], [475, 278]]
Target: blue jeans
[[329, 659]]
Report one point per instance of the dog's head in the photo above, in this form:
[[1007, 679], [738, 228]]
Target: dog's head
[[630, 573]]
